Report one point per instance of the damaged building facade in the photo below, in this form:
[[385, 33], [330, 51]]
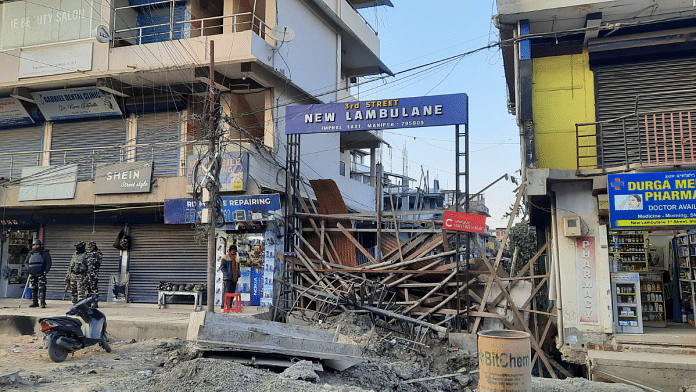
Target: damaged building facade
[[604, 94]]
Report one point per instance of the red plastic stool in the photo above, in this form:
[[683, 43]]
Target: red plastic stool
[[228, 303]]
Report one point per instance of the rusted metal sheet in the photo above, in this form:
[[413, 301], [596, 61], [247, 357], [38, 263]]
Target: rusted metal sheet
[[331, 202]]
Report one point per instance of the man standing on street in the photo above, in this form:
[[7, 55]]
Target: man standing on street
[[39, 263], [77, 273], [230, 272], [94, 261]]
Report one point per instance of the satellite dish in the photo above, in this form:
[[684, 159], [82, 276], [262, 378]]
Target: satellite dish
[[282, 34], [102, 34]]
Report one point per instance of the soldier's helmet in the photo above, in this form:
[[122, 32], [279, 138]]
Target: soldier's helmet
[[36, 242], [80, 244], [91, 244]]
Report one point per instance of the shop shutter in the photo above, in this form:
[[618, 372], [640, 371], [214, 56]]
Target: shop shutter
[[60, 241], [19, 140], [662, 85], [158, 141], [166, 253], [88, 143]]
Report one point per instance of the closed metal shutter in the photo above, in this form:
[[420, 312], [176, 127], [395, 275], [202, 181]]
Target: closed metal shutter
[[164, 253], [19, 140], [60, 241], [662, 85], [88, 143], [158, 141]]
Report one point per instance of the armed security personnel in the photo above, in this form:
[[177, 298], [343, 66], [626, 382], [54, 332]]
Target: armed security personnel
[[39, 263], [76, 278], [94, 261]]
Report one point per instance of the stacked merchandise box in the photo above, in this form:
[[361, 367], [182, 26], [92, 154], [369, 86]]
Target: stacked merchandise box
[[221, 245], [268, 268], [244, 285]]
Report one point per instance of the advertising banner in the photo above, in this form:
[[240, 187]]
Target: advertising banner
[[125, 177], [73, 103], [587, 283], [234, 208], [639, 200], [411, 112], [234, 170], [462, 221], [28, 23], [13, 113]]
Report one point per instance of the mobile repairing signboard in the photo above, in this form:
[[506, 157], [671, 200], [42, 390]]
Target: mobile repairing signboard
[[462, 221], [659, 199], [411, 112]]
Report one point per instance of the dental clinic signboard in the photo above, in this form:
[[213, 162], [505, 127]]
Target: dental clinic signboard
[[71, 103], [412, 112], [652, 199]]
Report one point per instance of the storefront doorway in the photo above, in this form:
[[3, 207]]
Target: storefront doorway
[[652, 280]]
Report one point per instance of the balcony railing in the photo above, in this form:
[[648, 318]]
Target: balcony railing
[[12, 163], [658, 138], [174, 25]]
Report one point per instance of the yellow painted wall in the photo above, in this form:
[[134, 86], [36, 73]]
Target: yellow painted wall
[[562, 95]]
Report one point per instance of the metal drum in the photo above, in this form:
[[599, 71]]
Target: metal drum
[[505, 361]]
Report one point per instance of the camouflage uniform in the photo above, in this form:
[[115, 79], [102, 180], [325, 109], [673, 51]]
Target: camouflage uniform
[[76, 277], [94, 261]]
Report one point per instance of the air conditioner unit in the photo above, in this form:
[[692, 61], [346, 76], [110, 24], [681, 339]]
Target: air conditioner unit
[[239, 215], [571, 226]]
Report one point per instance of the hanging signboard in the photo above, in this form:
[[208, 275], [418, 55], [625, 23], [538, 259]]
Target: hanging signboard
[[652, 199], [13, 113], [234, 170], [125, 177], [71, 103], [48, 183], [412, 112], [234, 208], [462, 221]]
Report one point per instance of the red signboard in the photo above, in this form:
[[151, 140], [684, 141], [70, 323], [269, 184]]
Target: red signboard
[[462, 221]]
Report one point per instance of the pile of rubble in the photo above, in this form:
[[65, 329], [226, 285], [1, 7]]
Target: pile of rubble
[[417, 289]]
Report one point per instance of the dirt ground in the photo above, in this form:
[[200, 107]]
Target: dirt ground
[[175, 366]]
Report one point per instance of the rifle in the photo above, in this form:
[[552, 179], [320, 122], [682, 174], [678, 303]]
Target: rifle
[[67, 286]]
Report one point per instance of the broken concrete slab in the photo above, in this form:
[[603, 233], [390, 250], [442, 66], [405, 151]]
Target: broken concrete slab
[[225, 332], [578, 385]]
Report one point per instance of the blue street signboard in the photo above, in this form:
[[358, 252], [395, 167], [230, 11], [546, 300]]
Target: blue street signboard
[[235, 209], [411, 112], [640, 200]]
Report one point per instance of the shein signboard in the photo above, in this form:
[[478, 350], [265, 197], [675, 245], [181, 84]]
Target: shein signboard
[[126, 177]]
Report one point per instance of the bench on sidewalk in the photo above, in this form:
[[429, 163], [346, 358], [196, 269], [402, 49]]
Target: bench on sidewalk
[[197, 298]]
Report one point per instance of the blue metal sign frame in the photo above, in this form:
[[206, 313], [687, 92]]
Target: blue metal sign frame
[[414, 112], [662, 199]]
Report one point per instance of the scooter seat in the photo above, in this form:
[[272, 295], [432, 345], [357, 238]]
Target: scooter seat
[[64, 319]]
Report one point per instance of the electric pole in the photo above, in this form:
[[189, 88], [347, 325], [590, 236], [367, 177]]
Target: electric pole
[[214, 171]]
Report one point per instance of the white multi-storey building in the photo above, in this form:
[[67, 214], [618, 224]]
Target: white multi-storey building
[[95, 94]]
